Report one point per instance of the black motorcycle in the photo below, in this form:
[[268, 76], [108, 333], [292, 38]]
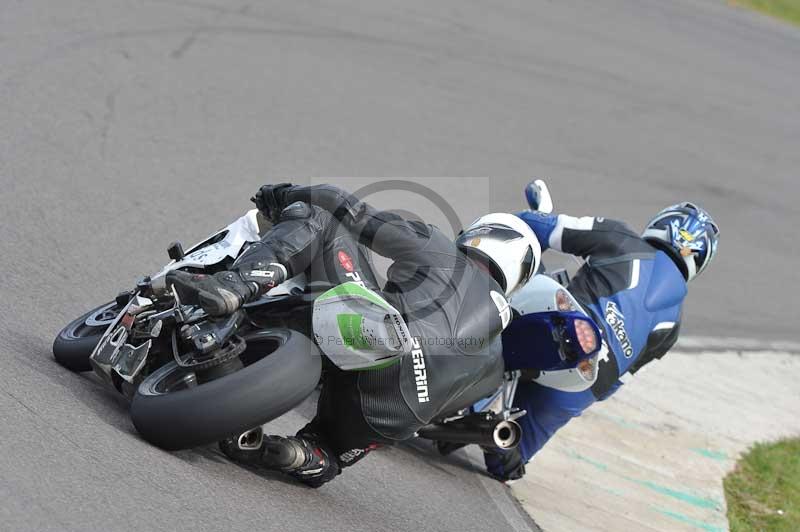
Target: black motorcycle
[[194, 380]]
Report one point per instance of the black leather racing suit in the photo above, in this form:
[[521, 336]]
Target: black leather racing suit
[[443, 295]]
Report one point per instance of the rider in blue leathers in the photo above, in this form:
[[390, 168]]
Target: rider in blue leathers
[[633, 287]]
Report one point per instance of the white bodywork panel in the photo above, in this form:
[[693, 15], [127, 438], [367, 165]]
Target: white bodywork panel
[[240, 233], [539, 295]]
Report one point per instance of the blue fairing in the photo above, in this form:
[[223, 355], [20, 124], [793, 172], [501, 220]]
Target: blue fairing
[[529, 341]]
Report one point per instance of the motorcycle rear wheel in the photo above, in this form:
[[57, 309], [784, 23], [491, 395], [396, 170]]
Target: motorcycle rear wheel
[[75, 343], [174, 410]]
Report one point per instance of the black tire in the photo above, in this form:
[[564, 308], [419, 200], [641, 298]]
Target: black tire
[[76, 341], [266, 388]]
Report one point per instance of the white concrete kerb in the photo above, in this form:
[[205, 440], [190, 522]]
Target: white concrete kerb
[[653, 456]]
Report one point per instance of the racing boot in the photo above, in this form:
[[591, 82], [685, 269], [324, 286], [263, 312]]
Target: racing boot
[[447, 448], [303, 459], [505, 466], [224, 293]]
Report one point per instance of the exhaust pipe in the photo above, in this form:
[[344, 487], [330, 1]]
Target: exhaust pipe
[[499, 434]]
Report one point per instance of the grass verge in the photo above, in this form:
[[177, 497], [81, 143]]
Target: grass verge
[[763, 492], [788, 10]]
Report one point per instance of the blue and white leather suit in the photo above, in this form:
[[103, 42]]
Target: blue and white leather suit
[[633, 291]]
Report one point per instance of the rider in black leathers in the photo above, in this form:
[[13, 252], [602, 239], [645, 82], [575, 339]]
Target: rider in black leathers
[[449, 301]]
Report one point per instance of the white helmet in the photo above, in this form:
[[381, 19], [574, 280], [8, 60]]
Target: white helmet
[[506, 245]]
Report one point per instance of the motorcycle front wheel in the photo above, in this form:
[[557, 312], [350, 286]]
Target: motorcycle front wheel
[[75, 343], [174, 409]]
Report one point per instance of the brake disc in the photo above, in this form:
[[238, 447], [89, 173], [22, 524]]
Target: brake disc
[[232, 349]]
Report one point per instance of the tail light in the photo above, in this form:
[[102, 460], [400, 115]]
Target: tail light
[[587, 338]]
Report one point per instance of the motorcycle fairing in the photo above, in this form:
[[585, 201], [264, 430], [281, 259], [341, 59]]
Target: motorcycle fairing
[[540, 295], [555, 347], [228, 243], [232, 239]]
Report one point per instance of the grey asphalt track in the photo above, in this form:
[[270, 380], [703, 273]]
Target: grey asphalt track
[[126, 124]]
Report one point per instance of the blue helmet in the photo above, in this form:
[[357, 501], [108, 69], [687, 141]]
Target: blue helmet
[[688, 234]]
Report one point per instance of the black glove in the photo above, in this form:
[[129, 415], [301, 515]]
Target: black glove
[[219, 294], [271, 200]]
